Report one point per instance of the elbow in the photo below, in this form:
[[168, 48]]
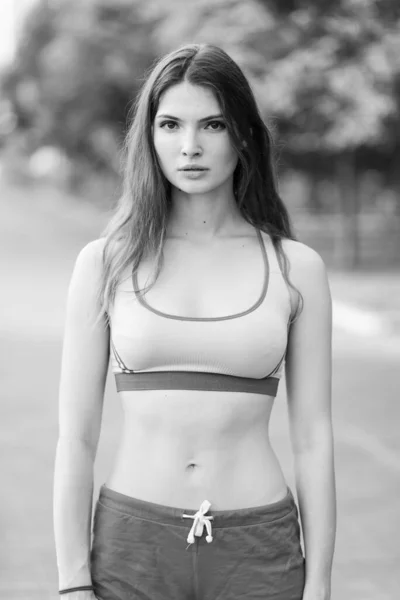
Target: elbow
[[314, 440], [77, 446]]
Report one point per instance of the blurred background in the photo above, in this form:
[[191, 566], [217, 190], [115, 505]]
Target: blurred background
[[326, 74]]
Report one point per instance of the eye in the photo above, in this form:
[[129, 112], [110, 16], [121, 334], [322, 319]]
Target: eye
[[216, 125], [166, 125]]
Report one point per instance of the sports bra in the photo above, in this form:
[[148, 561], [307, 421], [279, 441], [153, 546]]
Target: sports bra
[[242, 352]]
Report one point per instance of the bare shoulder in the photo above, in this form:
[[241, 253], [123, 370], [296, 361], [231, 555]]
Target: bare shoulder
[[89, 262], [87, 271], [306, 265], [92, 252]]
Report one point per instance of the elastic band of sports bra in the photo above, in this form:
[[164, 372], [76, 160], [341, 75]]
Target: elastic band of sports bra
[[191, 380]]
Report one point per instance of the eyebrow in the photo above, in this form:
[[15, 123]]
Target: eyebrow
[[200, 120]]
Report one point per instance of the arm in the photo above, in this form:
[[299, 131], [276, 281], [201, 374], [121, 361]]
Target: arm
[[83, 375], [308, 377]]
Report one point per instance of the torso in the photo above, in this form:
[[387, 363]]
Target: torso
[[180, 447]]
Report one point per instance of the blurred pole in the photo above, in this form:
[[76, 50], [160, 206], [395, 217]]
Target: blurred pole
[[350, 211]]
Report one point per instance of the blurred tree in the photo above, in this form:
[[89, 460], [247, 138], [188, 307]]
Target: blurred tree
[[78, 68], [326, 74], [326, 70], [335, 94]]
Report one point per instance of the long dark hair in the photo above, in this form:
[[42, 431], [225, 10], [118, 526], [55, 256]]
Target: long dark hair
[[138, 226]]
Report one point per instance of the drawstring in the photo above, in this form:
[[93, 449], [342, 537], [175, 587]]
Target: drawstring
[[200, 520]]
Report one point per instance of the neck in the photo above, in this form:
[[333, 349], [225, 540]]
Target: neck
[[203, 216]]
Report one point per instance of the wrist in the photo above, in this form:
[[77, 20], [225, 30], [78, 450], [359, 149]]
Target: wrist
[[317, 591], [80, 588], [74, 576]]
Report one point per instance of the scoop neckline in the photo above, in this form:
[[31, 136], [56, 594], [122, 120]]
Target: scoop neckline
[[234, 316]]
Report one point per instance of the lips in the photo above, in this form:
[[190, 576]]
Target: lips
[[193, 168]]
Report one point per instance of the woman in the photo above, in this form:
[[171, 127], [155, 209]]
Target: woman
[[196, 505]]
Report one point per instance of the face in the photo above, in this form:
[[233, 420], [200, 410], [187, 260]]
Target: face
[[188, 133]]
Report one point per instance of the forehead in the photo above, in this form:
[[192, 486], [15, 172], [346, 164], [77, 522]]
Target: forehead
[[188, 101]]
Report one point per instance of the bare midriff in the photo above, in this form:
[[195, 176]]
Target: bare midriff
[[181, 447]]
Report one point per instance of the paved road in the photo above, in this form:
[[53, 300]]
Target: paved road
[[37, 250]]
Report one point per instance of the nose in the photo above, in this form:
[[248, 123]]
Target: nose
[[190, 146]]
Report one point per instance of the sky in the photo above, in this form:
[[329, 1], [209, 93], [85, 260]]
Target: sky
[[11, 13]]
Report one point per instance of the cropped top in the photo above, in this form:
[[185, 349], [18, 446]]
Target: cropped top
[[242, 352]]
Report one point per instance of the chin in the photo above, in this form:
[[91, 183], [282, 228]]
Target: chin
[[197, 187]]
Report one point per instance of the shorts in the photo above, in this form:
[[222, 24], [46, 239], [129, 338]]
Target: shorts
[[147, 551]]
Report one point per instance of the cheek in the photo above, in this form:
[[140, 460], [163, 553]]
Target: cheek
[[228, 155], [164, 147]]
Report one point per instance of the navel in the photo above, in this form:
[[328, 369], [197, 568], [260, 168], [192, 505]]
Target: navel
[[191, 466]]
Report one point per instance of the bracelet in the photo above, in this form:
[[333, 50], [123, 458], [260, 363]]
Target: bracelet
[[76, 589]]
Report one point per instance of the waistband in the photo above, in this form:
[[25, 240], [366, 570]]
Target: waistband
[[171, 515]]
